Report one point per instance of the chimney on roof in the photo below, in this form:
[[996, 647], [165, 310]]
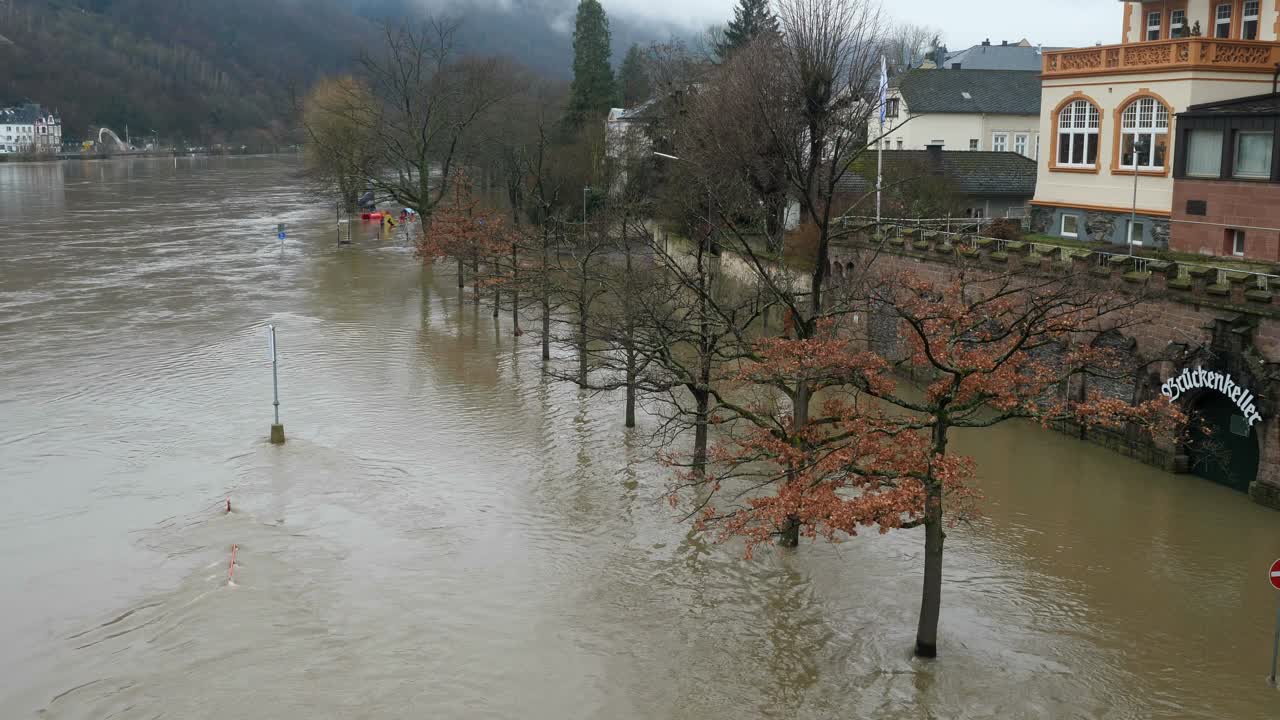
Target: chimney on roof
[[1004, 43], [934, 154], [987, 42]]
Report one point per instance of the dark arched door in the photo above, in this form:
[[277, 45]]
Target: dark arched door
[[1222, 446]]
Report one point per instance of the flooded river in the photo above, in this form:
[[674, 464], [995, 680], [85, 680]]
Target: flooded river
[[448, 534]]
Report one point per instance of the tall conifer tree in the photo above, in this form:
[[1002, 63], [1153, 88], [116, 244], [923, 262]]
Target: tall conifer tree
[[751, 19], [633, 79], [592, 92]]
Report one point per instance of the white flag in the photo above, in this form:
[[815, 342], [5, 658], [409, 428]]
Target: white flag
[[884, 88]]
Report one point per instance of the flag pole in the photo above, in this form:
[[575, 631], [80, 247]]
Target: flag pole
[[879, 172], [884, 100]]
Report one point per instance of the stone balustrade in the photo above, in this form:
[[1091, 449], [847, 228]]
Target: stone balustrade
[[1163, 55]]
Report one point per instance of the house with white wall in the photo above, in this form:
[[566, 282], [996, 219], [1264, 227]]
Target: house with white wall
[[29, 128], [990, 110], [1109, 112]]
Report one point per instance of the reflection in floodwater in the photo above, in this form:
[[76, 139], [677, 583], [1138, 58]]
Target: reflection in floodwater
[[448, 533]]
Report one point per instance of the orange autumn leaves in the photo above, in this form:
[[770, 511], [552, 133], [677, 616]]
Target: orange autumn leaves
[[465, 229], [872, 444]]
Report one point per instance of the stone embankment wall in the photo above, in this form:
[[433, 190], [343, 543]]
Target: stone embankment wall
[[1191, 315]]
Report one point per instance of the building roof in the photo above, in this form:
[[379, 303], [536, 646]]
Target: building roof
[[1268, 104], [23, 114], [1004, 92], [1019, 56], [972, 172]]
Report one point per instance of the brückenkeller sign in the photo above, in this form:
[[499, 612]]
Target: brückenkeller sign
[[1200, 378]]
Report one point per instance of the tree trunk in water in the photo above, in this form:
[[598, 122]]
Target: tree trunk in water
[[546, 329], [515, 293], [582, 349], [497, 301], [931, 595], [582, 328], [700, 432], [475, 276], [789, 533], [934, 535], [546, 297], [462, 272], [631, 390]]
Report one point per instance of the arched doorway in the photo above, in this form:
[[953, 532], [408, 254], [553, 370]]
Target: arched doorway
[[1222, 447]]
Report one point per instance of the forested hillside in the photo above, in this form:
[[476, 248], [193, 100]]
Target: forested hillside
[[223, 70]]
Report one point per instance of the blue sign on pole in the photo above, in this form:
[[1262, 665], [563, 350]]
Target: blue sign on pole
[[280, 235]]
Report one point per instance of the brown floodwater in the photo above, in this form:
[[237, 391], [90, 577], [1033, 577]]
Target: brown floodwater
[[450, 534]]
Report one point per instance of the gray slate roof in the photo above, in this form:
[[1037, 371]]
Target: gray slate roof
[[1007, 92], [997, 57], [22, 115], [972, 172]]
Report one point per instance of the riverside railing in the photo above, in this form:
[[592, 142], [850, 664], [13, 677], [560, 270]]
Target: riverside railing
[[970, 237]]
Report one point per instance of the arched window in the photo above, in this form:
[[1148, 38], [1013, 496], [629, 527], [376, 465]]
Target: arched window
[[1145, 122], [1078, 135]]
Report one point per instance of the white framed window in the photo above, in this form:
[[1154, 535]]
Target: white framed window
[[1144, 123], [899, 143], [1249, 21], [1153, 25], [1000, 142], [1236, 239], [1020, 144], [1253, 154], [974, 144], [1070, 226], [1204, 153], [1078, 135], [1222, 21]]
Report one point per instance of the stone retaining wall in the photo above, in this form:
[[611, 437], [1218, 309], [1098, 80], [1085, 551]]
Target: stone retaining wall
[[1184, 310]]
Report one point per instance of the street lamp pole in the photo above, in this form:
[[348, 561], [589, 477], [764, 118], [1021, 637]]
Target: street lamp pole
[[1138, 147]]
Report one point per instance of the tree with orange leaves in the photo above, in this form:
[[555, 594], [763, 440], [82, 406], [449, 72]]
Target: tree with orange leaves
[[873, 454], [465, 229]]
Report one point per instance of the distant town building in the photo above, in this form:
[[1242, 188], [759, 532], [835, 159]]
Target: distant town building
[[1021, 55], [29, 129], [1110, 112], [987, 184], [991, 110]]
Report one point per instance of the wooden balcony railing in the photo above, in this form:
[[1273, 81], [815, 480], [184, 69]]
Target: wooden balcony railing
[[1164, 55]]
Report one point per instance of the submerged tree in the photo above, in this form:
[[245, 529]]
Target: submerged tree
[[427, 104], [340, 150], [466, 230], [874, 453]]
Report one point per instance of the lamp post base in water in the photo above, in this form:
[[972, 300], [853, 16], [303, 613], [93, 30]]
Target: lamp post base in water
[[277, 434]]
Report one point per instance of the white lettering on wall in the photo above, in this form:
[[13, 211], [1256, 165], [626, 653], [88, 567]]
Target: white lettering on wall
[[1189, 379]]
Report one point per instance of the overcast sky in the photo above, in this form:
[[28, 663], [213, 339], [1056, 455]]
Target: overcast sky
[[962, 22]]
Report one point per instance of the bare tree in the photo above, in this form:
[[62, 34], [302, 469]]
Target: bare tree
[[906, 44], [803, 100], [339, 148], [428, 103]]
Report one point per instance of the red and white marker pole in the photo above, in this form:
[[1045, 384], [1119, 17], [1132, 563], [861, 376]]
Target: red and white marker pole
[[1274, 577]]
